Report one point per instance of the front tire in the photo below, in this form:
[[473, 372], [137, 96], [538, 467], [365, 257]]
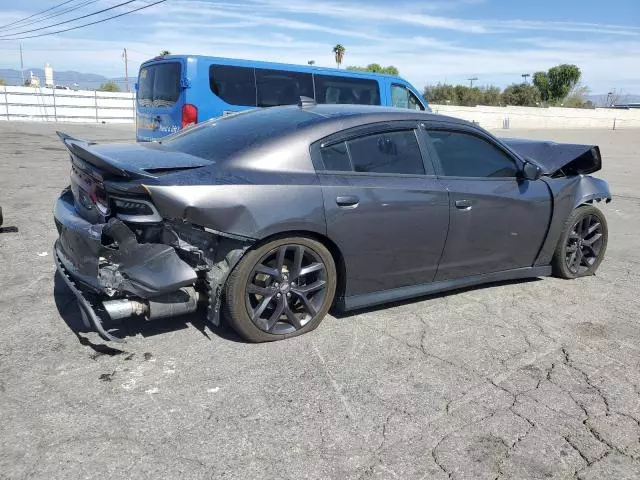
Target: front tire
[[281, 289], [582, 243]]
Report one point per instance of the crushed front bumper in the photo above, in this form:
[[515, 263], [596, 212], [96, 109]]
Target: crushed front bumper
[[106, 259]]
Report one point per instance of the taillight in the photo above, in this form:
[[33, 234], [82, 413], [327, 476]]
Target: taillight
[[189, 114]]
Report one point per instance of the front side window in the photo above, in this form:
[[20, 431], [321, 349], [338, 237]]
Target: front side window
[[401, 97], [234, 85], [465, 155], [334, 89], [388, 152], [280, 87], [159, 85]]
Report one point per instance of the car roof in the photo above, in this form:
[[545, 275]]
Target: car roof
[[285, 133], [372, 113]]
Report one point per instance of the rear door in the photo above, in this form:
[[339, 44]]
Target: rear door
[[384, 207], [498, 219], [160, 97]]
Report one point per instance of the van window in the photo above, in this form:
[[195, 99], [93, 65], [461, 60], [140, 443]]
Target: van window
[[159, 85], [280, 87], [234, 85], [334, 89], [402, 97]]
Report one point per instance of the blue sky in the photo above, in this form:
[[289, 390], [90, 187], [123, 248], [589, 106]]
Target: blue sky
[[429, 41]]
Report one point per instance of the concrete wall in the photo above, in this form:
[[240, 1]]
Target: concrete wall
[[49, 105], [45, 104], [534, 118]]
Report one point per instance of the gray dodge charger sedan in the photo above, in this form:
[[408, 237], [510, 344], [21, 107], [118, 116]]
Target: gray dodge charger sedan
[[274, 216]]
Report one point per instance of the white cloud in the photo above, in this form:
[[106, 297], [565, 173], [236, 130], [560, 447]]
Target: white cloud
[[426, 48]]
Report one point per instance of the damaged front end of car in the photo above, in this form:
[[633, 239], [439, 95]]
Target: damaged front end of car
[[121, 258]]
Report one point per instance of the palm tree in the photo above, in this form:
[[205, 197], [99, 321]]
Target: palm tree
[[165, 52], [339, 50]]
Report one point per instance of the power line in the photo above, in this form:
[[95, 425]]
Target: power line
[[87, 24], [53, 15], [36, 14], [69, 21]]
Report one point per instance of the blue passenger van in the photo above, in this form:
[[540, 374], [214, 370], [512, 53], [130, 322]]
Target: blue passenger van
[[178, 90]]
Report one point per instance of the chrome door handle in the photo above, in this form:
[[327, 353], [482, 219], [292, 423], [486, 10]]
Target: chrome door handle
[[464, 204], [347, 201]]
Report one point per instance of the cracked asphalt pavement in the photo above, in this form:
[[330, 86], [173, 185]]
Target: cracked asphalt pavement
[[529, 379]]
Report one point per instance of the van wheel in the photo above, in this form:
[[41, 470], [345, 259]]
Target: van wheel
[[281, 289], [582, 243]]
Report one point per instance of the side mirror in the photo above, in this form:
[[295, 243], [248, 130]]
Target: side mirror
[[531, 171]]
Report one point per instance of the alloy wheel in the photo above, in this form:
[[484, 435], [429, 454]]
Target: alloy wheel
[[286, 289], [584, 244]]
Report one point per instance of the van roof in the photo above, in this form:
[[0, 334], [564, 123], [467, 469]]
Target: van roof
[[238, 62]]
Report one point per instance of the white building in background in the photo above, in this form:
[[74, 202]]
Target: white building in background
[[48, 76], [33, 80]]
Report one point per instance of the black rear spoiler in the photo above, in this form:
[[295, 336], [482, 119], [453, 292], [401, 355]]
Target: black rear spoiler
[[81, 149]]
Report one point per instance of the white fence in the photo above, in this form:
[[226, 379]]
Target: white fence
[[552, 117], [51, 105]]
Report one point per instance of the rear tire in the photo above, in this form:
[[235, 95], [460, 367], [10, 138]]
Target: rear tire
[[582, 243], [280, 289]]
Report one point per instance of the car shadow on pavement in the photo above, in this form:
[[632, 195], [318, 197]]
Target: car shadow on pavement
[[69, 311], [338, 314]]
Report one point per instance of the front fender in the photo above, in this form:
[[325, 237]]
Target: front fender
[[568, 194], [589, 189]]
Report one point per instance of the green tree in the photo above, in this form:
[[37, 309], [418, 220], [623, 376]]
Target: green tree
[[491, 95], [376, 68], [3, 82], [554, 86], [339, 52], [109, 86], [440, 94], [577, 98], [464, 95], [541, 82], [164, 53], [521, 94]]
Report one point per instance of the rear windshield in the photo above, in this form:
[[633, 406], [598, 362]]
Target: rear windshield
[[220, 138], [159, 85]]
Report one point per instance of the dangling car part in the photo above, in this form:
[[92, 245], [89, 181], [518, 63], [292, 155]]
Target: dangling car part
[[275, 216]]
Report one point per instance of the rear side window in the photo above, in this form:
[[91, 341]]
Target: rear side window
[[388, 152], [159, 85], [280, 87], [465, 155], [234, 85], [334, 89]]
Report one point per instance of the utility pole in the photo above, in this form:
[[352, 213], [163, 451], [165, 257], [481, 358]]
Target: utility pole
[[526, 76], [21, 66], [126, 70], [471, 80]]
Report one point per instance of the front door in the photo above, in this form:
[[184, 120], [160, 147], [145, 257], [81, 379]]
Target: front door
[[385, 209], [498, 220]]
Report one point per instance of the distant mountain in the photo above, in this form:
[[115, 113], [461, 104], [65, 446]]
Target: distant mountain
[[600, 100], [85, 81]]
